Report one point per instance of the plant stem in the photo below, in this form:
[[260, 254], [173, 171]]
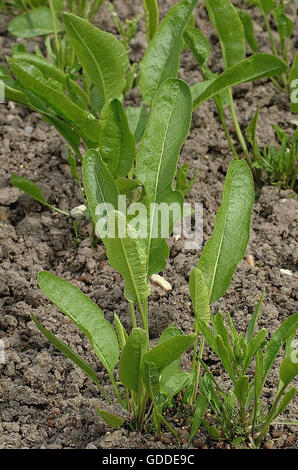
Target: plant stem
[[56, 36], [133, 315], [198, 372], [236, 124], [274, 50]]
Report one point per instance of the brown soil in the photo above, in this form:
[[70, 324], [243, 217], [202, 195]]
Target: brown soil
[[45, 401]]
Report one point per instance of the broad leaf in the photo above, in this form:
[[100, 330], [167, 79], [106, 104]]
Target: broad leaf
[[248, 29], [37, 22], [201, 405], [227, 245], [253, 68], [29, 187], [100, 187], [151, 379], [168, 351], [152, 17], [162, 56], [72, 355], [130, 362], [137, 120], [277, 340], [229, 28], [51, 93], [84, 314], [126, 254], [199, 295], [198, 44], [112, 420], [288, 371], [158, 155], [102, 56], [116, 144]]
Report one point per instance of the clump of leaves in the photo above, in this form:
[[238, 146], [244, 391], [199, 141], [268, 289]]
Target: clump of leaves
[[276, 165]]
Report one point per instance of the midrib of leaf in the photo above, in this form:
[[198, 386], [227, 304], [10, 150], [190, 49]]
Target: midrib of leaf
[[93, 58], [156, 184], [219, 250]]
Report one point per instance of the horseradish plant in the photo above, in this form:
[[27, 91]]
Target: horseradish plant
[[89, 113], [149, 378]]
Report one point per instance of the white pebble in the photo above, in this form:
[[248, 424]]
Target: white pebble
[[286, 271], [78, 211], [161, 282]]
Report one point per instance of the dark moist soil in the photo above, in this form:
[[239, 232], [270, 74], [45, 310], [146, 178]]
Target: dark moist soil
[[45, 401]]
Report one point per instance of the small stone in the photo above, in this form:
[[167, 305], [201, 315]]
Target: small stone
[[287, 272], [78, 211], [291, 439], [28, 129], [251, 261], [161, 282], [9, 195], [269, 445]]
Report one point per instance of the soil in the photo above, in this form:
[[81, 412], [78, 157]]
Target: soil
[[47, 402]]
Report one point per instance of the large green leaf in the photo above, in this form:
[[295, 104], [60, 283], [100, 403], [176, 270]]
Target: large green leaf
[[117, 144], [293, 80], [161, 59], [130, 362], [229, 28], [253, 68], [112, 420], [169, 350], [158, 155], [227, 245], [65, 349], [248, 29], [199, 295], [277, 340], [137, 120], [102, 56], [126, 254], [51, 92], [198, 44], [84, 314], [152, 17], [37, 22], [288, 371], [100, 186]]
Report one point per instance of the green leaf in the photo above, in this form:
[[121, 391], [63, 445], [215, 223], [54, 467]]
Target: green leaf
[[175, 382], [51, 92], [293, 80], [254, 319], [212, 430], [201, 405], [121, 333], [152, 17], [137, 120], [49, 71], [266, 5], [130, 362], [103, 57], [229, 28], [289, 395], [117, 144], [277, 340], [100, 186], [225, 357], [259, 374], [199, 295], [126, 185], [288, 371], [255, 344], [68, 352], [37, 22], [227, 245], [127, 256], [158, 155], [253, 68], [285, 25], [112, 420], [241, 388], [198, 45], [162, 56], [221, 330], [248, 29], [251, 131], [151, 379], [29, 188], [168, 351], [85, 315]]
